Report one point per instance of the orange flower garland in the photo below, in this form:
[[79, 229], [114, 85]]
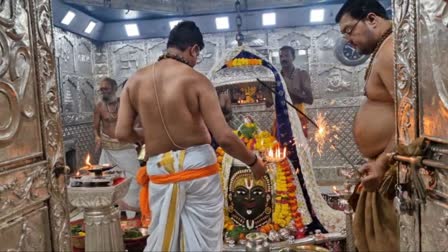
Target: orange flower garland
[[286, 205], [286, 208]]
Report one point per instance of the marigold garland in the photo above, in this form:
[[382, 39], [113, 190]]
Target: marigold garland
[[244, 62], [286, 208]]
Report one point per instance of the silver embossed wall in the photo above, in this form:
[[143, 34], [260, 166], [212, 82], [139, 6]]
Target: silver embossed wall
[[76, 61], [337, 87]]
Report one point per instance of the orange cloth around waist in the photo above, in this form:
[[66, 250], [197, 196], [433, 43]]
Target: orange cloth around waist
[[185, 175], [143, 180]]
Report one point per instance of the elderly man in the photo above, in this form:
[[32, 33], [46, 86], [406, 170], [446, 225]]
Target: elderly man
[[114, 152], [365, 24]]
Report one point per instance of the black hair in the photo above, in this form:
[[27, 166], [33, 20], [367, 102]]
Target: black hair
[[111, 82], [359, 9], [184, 35], [290, 49]]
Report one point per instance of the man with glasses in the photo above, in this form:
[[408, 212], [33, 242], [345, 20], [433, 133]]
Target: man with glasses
[[114, 152], [178, 107], [365, 24]]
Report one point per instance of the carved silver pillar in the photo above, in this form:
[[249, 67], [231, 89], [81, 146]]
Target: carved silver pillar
[[102, 219], [103, 231]]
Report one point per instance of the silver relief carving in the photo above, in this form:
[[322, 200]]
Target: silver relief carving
[[45, 66], [26, 233], [21, 188], [18, 100], [406, 92], [125, 59]]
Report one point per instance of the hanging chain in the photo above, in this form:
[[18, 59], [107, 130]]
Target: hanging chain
[[239, 23]]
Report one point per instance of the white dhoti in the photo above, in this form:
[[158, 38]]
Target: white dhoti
[[187, 215], [124, 156]]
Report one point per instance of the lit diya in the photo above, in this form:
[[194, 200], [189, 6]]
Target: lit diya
[[275, 155], [96, 169]]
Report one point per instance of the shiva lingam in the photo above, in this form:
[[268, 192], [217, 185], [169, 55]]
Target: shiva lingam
[[352, 178]]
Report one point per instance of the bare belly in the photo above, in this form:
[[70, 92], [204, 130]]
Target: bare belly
[[109, 129], [374, 127]]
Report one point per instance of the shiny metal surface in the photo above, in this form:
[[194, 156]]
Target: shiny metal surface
[[102, 219], [20, 136], [421, 43], [433, 85], [32, 188]]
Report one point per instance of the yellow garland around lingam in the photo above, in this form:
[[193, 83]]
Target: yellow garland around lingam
[[286, 204], [243, 62]]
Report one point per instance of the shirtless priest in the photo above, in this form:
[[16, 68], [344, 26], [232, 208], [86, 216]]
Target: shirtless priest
[[365, 24], [177, 107]]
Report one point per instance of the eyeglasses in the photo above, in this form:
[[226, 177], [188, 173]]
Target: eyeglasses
[[349, 30], [199, 58]]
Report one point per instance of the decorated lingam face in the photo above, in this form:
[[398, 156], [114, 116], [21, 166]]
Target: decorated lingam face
[[249, 199]]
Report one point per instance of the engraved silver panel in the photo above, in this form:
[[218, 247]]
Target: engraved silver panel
[[126, 58], [432, 61], [43, 44], [23, 187], [20, 136], [405, 71], [30, 232]]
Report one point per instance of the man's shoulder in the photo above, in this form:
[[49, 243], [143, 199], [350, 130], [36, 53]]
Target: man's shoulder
[[194, 76], [385, 55]]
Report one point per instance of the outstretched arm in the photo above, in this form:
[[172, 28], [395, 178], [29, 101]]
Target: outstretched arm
[[224, 136]]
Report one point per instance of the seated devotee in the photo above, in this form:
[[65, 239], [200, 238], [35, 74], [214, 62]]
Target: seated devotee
[[365, 24], [177, 107], [114, 152], [298, 83]]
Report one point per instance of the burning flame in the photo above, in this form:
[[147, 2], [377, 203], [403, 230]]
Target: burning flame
[[275, 154], [335, 189], [326, 133], [88, 164]]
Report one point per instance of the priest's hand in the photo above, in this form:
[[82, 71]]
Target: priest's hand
[[372, 175], [258, 169]]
